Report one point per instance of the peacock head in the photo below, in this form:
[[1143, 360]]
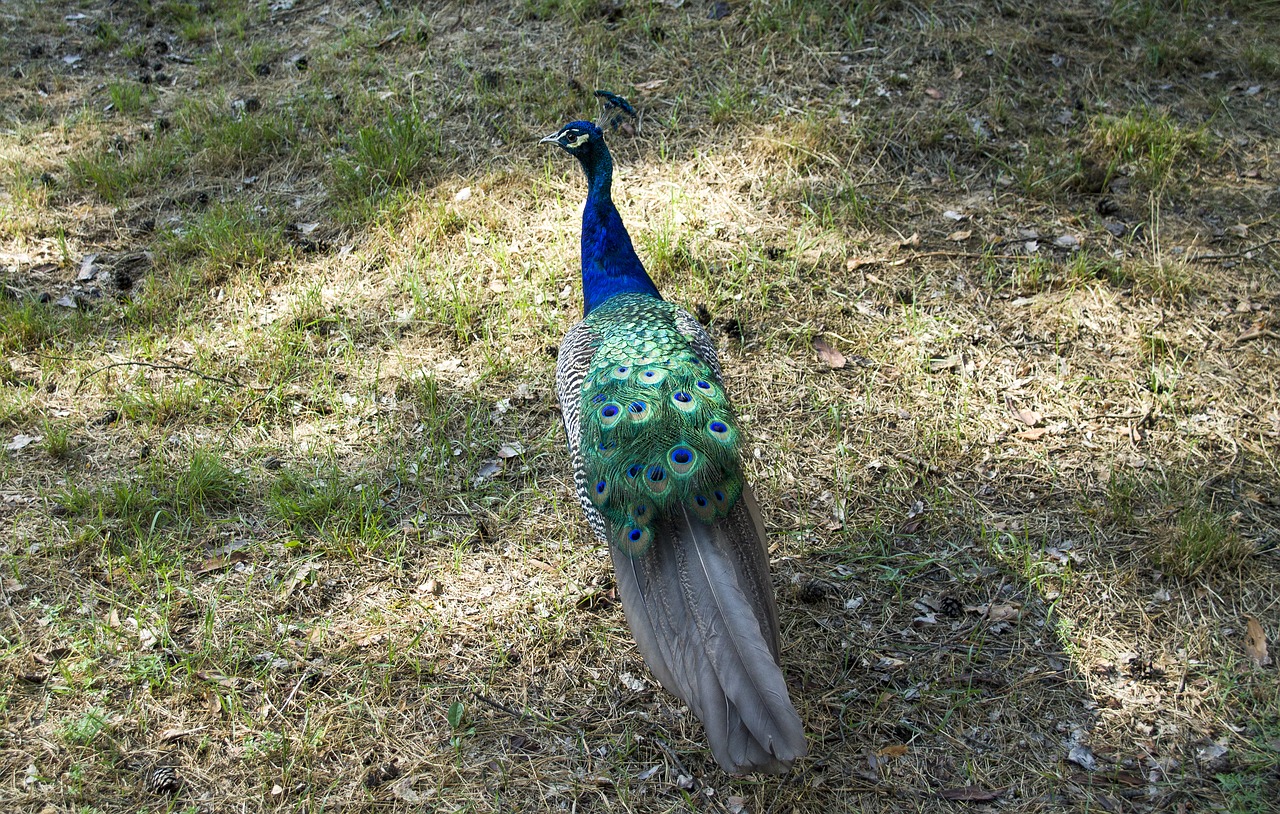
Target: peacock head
[[578, 139]]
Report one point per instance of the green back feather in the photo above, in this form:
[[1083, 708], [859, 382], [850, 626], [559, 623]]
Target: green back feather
[[658, 433]]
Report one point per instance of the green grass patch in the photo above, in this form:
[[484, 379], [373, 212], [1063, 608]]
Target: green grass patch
[[396, 152], [226, 237], [1198, 541], [30, 324], [157, 496], [1150, 146]]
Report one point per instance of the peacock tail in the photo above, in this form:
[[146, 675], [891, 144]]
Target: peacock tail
[[657, 432]]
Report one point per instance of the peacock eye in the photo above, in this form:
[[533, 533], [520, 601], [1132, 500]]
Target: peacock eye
[[702, 501], [719, 427], [637, 407], [600, 487], [634, 535], [681, 456], [609, 410], [703, 385]]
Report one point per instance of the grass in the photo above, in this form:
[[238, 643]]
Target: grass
[[299, 526]]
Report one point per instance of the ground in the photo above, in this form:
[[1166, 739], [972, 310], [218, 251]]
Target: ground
[[288, 518]]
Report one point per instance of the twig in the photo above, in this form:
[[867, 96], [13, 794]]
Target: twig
[[1204, 258], [154, 366], [517, 714]]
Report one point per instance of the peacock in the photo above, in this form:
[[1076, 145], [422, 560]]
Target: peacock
[[657, 464]]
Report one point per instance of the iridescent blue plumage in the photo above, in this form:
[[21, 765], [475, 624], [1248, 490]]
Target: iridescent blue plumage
[[657, 465]]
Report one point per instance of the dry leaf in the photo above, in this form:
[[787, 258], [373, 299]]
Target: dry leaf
[[1255, 643], [896, 750], [1254, 331], [1028, 417], [1239, 230], [178, 734], [1034, 434], [651, 85], [950, 363], [1003, 613], [220, 562], [960, 236], [914, 240], [933, 93], [21, 441], [971, 794], [828, 355]]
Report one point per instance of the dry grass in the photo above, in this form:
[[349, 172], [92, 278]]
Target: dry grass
[[298, 534]]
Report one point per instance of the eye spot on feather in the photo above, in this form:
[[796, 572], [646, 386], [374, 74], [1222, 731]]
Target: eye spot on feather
[[657, 474], [637, 407], [704, 385], [635, 470], [718, 428], [609, 411], [634, 535], [701, 501], [681, 456], [683, 397], [598, 398]]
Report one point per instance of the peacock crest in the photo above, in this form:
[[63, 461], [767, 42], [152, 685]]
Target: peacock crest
[[658, 433]]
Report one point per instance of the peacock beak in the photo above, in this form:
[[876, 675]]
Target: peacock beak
[[554, 138]]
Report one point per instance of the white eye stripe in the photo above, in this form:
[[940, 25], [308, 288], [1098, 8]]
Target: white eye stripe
[[580, 140]]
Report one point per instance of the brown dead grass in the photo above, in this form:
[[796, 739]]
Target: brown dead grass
[[1017, 537]]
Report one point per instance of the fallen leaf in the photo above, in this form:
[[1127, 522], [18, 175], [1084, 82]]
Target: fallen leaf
[[489, 468], [87, 270], [896, 750], [178, 734], [1070, 242], [221, 561], [951, 214], [828, 355], [1033, 434], [914, 240], [950, 363], [21, 441], [463, 195], [1082, 756], [1254, 331], [1239, 230], [960, 236], [971, 794], [511, 450], [66, 301], [1028, 417], [1255, 643], [1004, 612], [651, 85], [933, 93]]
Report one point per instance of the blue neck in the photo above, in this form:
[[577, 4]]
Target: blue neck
[[609, 262]]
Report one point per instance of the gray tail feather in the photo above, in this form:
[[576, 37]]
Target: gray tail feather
[[700, 605]]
